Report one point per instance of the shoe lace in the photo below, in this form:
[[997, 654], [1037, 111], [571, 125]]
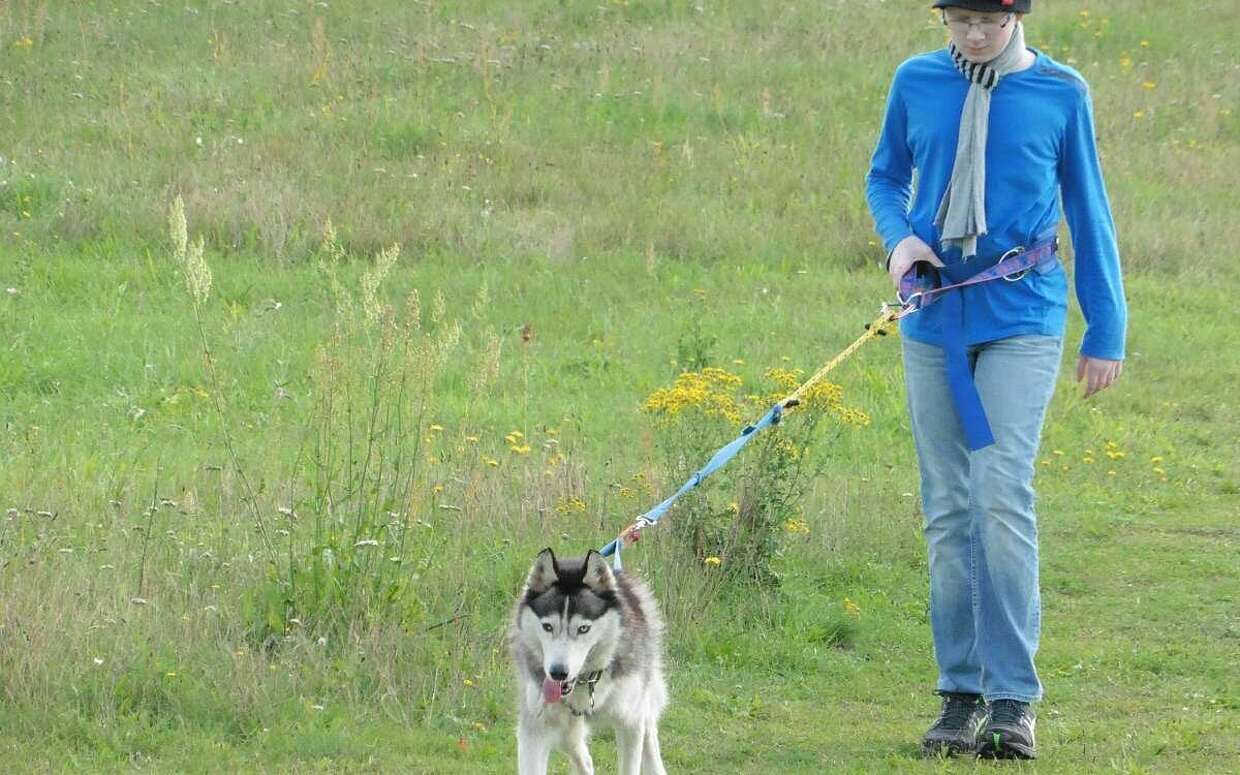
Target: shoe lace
[[956, 710], [1006, 712]]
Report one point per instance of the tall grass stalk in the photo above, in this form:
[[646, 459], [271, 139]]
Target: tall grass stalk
[[196, 274]]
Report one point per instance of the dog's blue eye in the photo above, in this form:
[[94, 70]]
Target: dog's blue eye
[[583, 629], [546, 627]]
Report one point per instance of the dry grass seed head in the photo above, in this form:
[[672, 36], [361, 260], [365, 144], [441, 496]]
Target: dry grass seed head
[[413, 311], [374, 309], [177, 229], [488, 367]]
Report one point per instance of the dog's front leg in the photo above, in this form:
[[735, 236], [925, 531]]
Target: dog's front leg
[[577, 749], [533, 749], [629, 742], [652, 758]]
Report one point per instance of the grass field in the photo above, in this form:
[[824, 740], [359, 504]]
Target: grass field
[[298, 552]]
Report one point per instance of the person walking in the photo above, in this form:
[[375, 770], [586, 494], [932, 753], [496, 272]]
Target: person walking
[[999, 135]]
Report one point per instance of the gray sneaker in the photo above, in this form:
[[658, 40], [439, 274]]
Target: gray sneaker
[[955, 730], [1008, 733]]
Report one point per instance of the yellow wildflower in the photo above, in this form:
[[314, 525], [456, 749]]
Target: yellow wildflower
[[708, 390], [796, 526], [571, 505]]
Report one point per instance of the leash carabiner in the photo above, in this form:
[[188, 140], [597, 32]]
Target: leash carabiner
[[1014, 276], [914, 296]]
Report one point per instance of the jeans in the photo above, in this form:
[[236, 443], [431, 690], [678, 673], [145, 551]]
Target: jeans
[[981, 532]]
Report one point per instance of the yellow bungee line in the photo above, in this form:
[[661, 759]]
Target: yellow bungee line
[[877, 328]]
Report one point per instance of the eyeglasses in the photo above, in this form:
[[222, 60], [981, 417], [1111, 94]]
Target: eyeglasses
[[986, 27]]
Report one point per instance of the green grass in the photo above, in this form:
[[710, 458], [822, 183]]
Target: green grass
[[631, 182]]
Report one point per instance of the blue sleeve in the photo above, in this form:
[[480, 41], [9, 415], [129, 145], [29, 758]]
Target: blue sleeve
[[889, 184], [1099, 285]]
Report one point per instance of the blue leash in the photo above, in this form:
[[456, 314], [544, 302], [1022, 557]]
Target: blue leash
[[716, 462]]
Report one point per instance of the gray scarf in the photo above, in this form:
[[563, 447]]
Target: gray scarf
[[962, 213]]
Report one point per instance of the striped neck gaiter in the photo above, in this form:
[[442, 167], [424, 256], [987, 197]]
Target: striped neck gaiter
[[961, 218]]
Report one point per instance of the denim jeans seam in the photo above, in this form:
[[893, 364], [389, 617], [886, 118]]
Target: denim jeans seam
[[975, 597]]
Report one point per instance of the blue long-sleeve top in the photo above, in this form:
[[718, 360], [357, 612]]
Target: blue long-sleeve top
[[1040, 145]]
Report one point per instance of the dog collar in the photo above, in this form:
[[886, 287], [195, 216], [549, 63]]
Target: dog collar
[[590, 681]]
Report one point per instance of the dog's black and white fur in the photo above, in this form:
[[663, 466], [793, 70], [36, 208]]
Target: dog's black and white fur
[[587, 644]]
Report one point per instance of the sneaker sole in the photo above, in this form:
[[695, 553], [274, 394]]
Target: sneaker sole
[[1004, 749], [940, 749]]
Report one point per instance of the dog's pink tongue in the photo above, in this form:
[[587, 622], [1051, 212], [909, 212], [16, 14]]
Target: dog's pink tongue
[[551, 690]]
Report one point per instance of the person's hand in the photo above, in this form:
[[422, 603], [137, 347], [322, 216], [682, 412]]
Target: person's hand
[[909, 251], [1098, 373]]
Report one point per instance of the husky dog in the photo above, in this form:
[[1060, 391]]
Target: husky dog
[[587, 647]]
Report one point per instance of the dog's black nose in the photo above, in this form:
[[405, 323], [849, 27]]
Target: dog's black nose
[[557, 672]]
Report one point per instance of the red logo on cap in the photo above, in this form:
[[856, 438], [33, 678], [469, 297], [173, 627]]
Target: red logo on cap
[[1009, 2]]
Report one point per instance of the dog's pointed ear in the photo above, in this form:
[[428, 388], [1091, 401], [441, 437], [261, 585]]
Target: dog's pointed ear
[[598, 575], [544, 573]]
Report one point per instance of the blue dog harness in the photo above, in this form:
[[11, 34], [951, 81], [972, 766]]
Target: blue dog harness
[[923, 285]]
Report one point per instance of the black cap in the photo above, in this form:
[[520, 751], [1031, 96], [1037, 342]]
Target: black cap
[[988, 6]]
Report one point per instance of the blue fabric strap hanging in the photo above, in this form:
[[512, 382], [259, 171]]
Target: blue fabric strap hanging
[[968, 403]]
